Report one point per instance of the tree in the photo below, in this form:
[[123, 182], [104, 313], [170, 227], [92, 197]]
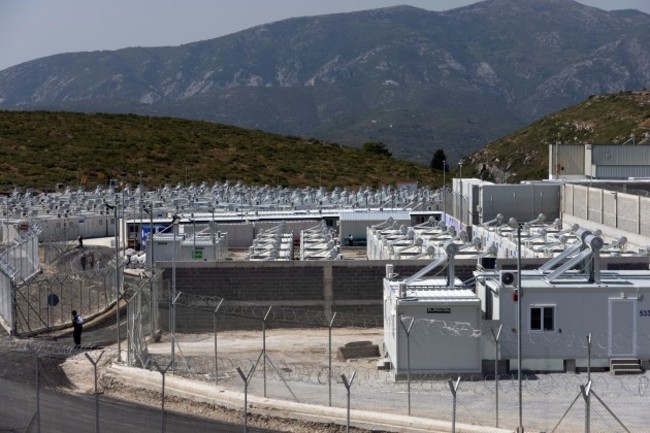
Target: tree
[[439, 161], [376, 147]]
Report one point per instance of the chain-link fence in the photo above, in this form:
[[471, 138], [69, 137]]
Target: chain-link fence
[[59, 241], [19, 261], [50, 388], [295, 355], [142, 297], [45, 302]]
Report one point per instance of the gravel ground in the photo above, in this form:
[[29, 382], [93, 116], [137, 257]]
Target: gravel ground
[[297, 370], [79, 372]]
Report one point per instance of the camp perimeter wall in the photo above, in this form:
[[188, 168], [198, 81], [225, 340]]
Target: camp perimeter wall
[[615, 213], [325, 287]]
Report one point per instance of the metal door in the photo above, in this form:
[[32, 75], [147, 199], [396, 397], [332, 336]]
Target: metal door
[[622, 327]]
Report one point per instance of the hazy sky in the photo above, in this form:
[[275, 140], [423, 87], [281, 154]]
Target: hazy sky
[[31, 29]]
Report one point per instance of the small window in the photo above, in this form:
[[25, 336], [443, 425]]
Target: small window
[[542, 318]]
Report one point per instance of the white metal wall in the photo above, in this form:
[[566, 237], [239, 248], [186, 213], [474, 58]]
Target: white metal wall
[[620, 155], [600, 161], [524, 202], [6, 309], [88, 226], [578, 312], [19, 260], [566, 160]]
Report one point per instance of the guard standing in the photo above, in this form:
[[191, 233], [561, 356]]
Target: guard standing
[[78, 327]]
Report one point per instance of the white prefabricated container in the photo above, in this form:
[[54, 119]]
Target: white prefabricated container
[[443, 338], [558, 315]]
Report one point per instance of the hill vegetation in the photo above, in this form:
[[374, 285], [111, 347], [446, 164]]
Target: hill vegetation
[[414, 79], [606, 119], [42, 149]]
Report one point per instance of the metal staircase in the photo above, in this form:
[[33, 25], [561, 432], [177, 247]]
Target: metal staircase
[[625, 366]]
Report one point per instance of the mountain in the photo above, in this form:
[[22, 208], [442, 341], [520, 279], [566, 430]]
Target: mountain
[[413, 79], [603, 119], [43, 149]]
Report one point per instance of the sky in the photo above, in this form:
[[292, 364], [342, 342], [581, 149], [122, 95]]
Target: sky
[[31, 29]]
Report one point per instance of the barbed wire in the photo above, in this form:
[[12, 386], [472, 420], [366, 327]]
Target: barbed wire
[[305, 317], [310, 317], [552, 385], [51, 349]]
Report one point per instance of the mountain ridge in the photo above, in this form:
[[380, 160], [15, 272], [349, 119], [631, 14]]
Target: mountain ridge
[[600, 119], [417, 80], [41, 149]]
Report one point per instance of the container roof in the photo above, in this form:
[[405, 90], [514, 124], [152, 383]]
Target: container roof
[[375, 215], [435, 289], [611, 280]]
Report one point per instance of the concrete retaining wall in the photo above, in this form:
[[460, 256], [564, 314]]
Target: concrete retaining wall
[[325, 287], [330, 286]]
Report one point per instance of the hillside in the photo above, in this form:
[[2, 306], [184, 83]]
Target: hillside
[[414, 79], [605, 119], [41, 149]]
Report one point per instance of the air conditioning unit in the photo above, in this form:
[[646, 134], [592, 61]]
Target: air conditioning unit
[[508, 278]]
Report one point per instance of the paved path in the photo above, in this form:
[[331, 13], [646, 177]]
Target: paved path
[[62, 409]]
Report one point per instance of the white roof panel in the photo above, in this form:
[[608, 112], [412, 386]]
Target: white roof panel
[[375, 215]]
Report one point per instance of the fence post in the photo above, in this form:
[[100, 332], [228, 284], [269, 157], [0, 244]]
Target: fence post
[[49, 307], [162, 398], [408, 330], [496, 370], [81, 304], [246, 379], [264, 346], [453, 387], [94, 363], [172, 325], [71, 289], [586, 390], [348, 385], [214, 327], [329, 369], [129, 337], [38, 396], [14, 309]]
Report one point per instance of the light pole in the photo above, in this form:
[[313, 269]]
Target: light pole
[[151, 266], [141, 206], [514, 224], [193, 237], [117, 281], [126, 240], [172, 324], [149, 211], [65, 229], [213, 234], [444, 187], [460, 175]]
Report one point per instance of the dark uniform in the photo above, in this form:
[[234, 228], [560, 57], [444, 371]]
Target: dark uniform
[[78, 325]]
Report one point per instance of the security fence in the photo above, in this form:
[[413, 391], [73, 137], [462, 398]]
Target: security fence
[[38, 397], [45, 302], [59, 241], [141, 297], [298, 364], [293, 357], [19, 261], [19, 258]]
